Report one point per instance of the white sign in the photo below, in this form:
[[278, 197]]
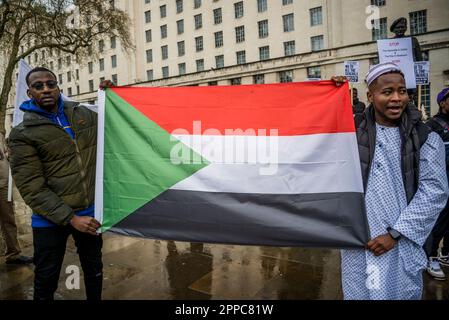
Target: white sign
[[400, 52], [422, 70], [352, 69]]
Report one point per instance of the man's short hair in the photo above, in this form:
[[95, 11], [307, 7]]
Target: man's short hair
[[38, 69]]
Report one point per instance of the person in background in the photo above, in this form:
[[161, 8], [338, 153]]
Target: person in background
[[440, 124], [7, 220], [357, 105]]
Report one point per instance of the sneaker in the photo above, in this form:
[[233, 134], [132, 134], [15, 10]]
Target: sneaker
[[434, 269], [444, 260]]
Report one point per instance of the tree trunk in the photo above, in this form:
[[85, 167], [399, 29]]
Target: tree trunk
[[7, 84]]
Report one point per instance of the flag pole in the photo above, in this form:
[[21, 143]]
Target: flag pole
[[352, 95], [100, 159], [419, 97]]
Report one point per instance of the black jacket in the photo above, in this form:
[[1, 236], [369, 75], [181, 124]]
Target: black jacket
[[414, 134]]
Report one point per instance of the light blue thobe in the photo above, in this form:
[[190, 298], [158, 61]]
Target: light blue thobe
[[397, 274]]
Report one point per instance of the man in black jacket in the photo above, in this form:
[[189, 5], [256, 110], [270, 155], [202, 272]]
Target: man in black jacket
[[357, 105], [440, 124]]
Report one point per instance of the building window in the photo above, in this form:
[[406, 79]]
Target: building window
[[77, 89], [418, 22], [113, 42], [240, 34], [164, 51], [150, 75], [263, 28], [148, 16], [91, 85], [59, 62], [261, 5], [289, 23], [212, 83], [181, 48], [379, 30], [180, 26], [316, 16], [196, 4], [90, 67], [101, 45], [164, 31], [218, 39], [317, 43], [378, 3], [286, 76], [179, 6], [285, 2], [149, 55], [289, 48], [314, 73], [182, 69], [69, 58], [264, 53], [163, 10], [236, 81], [69, 76], [238, 9], [241, 57], [165, 72], [218, 17], [200, 65], [101, 64], [114, 61], [199, 44], [219, 61], [77, 74], [148, 36], [259, 79], [198, 21]]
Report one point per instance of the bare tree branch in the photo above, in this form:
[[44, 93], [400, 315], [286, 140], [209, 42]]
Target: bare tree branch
[[27, 26]]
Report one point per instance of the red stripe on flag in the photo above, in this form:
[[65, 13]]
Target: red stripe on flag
[[293, 109]]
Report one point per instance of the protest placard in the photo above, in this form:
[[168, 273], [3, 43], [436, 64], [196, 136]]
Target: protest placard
[[422, 69], [352, 69], [399, 52]]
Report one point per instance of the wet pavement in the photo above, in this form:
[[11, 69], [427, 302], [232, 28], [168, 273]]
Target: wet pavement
[[143, 269]]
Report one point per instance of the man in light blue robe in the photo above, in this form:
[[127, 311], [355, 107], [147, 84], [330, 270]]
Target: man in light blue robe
[[406, 187]]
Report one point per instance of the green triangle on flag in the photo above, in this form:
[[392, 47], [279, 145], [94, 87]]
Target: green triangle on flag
[[137, 161]]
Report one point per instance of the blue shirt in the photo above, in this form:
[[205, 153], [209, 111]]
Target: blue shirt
[[59, 118]]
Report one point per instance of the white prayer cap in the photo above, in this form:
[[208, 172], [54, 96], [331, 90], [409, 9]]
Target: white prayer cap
[[381, 69]]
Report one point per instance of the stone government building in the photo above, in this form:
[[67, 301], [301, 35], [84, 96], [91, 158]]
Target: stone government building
[[231, 42]]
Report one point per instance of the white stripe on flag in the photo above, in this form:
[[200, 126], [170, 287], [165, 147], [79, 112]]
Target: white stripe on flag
[[322, 163]]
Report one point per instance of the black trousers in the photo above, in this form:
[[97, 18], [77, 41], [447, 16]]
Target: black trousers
[[49, 251], [439, 231]]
